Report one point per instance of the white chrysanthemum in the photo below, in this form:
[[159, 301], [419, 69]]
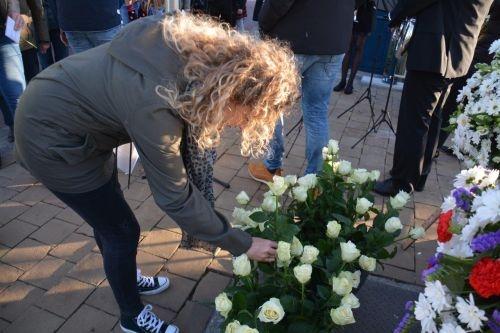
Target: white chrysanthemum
[[470, 177], [470, 314], [489, 207], [449, 203], [438, 295], [450, 328], [455, 247], [425, 314], [495, 47]]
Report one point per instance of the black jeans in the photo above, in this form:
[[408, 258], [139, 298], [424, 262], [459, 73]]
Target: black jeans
[[116, 232], [419, 125]]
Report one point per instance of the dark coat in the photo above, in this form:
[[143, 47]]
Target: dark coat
[[320, 27], [445, 35]]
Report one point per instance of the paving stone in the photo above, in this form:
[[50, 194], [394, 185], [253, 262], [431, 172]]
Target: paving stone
[[21, 182], [35, 320], [73, 248], [239, 184], [40, 213], [64, 298], [149, 264], [32, 195], [89, 269], [53, 200], [133, 204], [26, 254], [175, 296], [224, 174], [161, 243], [15, 231], [226, 200], [211, 285], [69, 215], [396, 273], [103, 298], [17, 298], [230, 161], [9, 210], [54, 231], [185, 320], [404, 258], [168, 224], [137, 191], [89, 319], [148, 214], [222, 263], [3, 250], [424, 211], [13, 171], [6, 194], [85, 229], [9, 275], [3, 325], [189, 263], [47, 272]]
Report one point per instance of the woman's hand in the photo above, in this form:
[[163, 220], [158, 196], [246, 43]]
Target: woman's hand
[[262, 250]]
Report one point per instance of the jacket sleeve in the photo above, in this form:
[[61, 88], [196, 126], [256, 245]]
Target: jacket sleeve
[[272, 11], [408, 8], [157, 136], [39, 20]]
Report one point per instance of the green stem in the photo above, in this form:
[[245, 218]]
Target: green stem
[[302, 298]]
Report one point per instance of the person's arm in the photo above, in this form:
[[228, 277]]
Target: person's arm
[[40, 22], [407, 8], [272, 11]]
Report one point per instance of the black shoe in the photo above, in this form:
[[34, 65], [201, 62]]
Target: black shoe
[[447, 150], [348, 89], [148, 285], [339, 86], [420, 186], [146, 322], [391, 187]]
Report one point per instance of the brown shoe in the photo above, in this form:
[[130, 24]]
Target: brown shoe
[[259, 172]]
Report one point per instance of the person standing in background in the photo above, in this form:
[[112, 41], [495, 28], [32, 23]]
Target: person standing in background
[[58, 50], [241, 13], [86, 24]]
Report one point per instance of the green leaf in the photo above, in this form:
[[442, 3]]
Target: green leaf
[[239, 301], [266, 268], [245, 317], [259, 217], [289, 303], [301, 327], [323, 292], [309, 307], [342, 219]]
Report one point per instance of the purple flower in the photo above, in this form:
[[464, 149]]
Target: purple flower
[[431, 270], [494, 322], [434, 260], [409, 306], [463, 198], [486, 242], [496, 316], [403, 323]]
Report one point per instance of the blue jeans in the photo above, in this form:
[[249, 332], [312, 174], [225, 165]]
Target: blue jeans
[[318, 77], [12, 82], [81, 41], [56, 52]]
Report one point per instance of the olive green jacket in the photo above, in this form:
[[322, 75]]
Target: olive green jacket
[[75, 112]]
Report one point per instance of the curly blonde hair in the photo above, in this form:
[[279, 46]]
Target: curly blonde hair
[[223, 66]]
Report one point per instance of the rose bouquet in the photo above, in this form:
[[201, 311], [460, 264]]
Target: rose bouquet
[[462, 281], [328, 231], [476, 123]]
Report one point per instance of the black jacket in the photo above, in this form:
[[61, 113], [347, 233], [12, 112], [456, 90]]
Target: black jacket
[[445, 35], [320, 27]]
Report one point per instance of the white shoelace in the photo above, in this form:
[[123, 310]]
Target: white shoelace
[[144, 281], [148, 320]]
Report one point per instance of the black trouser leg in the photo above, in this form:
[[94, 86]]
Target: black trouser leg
[[117, 234], [421, 94], [449, 107]]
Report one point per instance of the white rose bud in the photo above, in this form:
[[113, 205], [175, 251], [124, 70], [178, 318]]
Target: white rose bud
[[344, 168], [362, 205], [283, 252], [417, 233], [367, 263], [351, 301], [246, 329], [349, 251], [360, 176], [342, 315], [269, 204], [325, 154], [242, 198], [309, 255], [355, 277], [303, 273], [296, 249], [341, 286], [291, 180], [232, 327], [374, 175], [223, 305], [278, 186], [400, 200], [393, 224], [333, 147], [241, 265], [300, 193], [308, 181], [271, 311], [333, 229]]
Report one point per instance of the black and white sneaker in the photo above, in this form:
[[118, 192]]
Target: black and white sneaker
[[149, 285], [147, 322]]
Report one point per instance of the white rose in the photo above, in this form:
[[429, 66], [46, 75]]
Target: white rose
[[325, 154], [271, 311], [308, 181], [241, 265], [374, 175], [351, 301], [303, 273], [232, 327], [283, 253], [349, 251], [355, 277], [393, 224], [417, 233], [342, 315], [309, 255], [269, 204], [242, 198], [367, 263], [278, 186], [300, 193], [223, 304], [333, 147], [246, 329], [296, 249], [362, 205], [360, 176], [291, 180], [341, 286], [242, 218], [333, 229], [344, 168], [400, 200]]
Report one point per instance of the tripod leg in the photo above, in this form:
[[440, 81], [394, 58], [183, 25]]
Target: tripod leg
[[295, 139], [299, 123], [360, 99], [223, 184]]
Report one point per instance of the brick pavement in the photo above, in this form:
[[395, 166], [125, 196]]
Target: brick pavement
[[51, 276]]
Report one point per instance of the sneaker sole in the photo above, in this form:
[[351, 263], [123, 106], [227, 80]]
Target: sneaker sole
[[259, 180], [156, 291], [126, 330]]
